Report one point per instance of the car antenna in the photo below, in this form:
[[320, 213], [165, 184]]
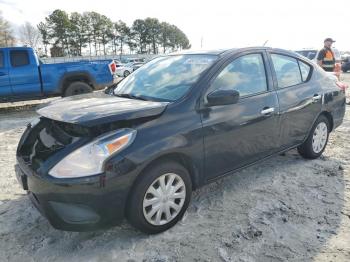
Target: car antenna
[[265, 42]]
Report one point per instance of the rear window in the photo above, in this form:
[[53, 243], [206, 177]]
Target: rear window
[[287, 70], [1, 59], [19, 58], [305, 70]]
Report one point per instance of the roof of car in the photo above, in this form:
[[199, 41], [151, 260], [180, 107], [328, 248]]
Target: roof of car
[[16, 47], [226, 51]]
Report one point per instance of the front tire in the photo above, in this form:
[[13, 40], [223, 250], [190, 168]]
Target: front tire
[[317, 140], [126, 73], [160, 198]]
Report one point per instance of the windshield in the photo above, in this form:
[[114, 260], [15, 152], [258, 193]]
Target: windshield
[[165, 78], [311, 54]]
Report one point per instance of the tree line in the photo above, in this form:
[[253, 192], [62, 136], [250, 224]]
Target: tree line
[[6, 34], [70, 34]]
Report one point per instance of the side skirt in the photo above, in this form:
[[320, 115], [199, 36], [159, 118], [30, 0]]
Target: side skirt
[[251, 164]]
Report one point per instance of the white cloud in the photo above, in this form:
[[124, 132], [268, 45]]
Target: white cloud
[[221, 23]]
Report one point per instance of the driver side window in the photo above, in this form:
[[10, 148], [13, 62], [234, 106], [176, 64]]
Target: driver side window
[[245, 74]]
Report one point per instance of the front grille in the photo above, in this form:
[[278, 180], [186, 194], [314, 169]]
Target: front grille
[[46, 139]]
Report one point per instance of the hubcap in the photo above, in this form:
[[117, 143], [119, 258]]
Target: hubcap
[[319, 137], [164, 199]]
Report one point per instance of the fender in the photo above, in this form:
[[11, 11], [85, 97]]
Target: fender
[[75, 76]]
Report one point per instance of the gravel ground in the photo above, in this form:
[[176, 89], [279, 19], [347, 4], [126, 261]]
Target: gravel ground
[[286, 208]]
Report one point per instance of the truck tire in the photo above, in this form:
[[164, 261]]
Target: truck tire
[[77, 88]]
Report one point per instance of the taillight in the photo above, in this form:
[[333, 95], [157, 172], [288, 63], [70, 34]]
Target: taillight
[[113, 67], [342, 85]]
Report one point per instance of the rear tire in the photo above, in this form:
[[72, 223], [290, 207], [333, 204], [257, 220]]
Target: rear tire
[[317, 140], [77, 88], [153, 208]]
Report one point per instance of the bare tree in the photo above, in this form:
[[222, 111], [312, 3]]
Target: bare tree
[[6, 35], [29, 35]]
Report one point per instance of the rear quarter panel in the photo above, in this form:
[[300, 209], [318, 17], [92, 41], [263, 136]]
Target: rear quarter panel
[[334, 100]]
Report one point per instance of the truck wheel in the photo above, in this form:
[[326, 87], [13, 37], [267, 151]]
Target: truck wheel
[[126, 73], [160, 198], [77, 88], [317, 140]]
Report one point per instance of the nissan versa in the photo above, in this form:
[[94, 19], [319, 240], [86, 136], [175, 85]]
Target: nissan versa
[[177, 123]]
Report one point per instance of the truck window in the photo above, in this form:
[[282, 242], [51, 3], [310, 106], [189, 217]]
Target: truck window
[[1, 59], [19, 58]]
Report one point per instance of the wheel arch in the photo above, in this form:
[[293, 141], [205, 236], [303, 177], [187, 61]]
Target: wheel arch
[[69, 78], [181, 159], [329, 116]]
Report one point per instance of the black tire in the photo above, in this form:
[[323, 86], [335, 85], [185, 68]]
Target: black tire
[[306, 149], [126, 73], [77, 88], [135, 210]]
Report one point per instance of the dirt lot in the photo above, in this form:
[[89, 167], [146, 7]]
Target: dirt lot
[[284, 209]]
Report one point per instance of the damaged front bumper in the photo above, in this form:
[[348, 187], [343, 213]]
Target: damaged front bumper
[[73, 204], [80, 205]]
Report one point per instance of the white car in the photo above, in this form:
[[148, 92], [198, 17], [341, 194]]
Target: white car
[[123, 70]]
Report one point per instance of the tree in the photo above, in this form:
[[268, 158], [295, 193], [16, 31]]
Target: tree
[[140, 34], [164, 36], [59, 24], [153, 30], [177, 39], [72, 33], [122, 34], [29, 35], [95, 24], [86, 19], [78, 33], [131, 41], [106, 32], [6, 34], [44, 32]]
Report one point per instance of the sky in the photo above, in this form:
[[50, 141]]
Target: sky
[[288, 24]]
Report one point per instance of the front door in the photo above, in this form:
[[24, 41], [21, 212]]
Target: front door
[[24, 74], [5, 87], [238, 134]]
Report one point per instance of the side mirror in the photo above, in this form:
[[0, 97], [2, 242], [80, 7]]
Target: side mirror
[[223, 97]]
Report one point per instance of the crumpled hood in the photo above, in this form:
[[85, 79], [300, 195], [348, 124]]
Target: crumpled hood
[[99, 108]]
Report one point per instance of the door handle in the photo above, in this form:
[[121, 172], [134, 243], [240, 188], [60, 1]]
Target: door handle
[[267, 111], [2, 74], [316, 98]]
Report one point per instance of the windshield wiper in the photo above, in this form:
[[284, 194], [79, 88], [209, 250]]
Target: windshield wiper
[[131, 96]]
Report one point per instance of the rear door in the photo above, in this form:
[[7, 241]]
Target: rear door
[[24, 73], [5, 88], [300, 98], [238, 134]]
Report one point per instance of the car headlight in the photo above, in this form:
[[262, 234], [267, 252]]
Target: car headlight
[[89, 159]]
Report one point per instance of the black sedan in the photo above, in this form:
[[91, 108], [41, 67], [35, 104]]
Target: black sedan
[[176, 124]]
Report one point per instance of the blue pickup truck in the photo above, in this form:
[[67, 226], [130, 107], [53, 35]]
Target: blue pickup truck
[[23, 76]]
